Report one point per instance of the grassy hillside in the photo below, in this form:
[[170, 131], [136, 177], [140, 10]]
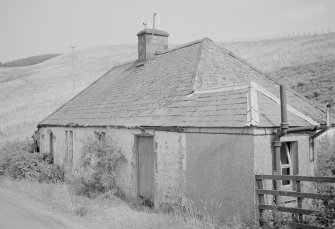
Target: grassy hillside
[[29, 94], [29, 60], [314, 80], [272, 55]]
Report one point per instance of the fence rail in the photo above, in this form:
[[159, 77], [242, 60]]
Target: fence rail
[[298, 211]]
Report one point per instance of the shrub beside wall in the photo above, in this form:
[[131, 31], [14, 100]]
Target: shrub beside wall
[[19, 161], [98, 165], [326, 167]]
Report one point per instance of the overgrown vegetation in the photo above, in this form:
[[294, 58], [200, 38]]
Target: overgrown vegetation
[[111, 212], [326, 167], [98, 167], [29, 60], [313, 80], [19, 161]]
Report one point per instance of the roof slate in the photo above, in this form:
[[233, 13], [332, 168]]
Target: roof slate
[[161, 93]]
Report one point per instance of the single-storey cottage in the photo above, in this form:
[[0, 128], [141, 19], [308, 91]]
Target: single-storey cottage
[[195, 120]]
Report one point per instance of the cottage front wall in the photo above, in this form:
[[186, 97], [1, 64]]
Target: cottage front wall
[[220, 173], [170, 172], [169, 153], [123, 139]]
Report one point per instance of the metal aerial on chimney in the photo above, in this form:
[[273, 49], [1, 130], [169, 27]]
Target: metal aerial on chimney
[[155, 24]]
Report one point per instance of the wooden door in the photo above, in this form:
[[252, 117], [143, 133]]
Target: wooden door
[[146, 169]]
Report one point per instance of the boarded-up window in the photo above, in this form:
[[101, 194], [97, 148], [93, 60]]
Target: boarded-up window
[[69, 146], [51, 142], [100, 135]]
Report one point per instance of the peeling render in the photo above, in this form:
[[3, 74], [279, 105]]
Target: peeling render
[[169, 151]]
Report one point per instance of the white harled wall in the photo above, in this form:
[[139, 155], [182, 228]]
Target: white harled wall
[[169, 151]]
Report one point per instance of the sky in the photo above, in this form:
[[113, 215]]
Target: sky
[[33, 27]]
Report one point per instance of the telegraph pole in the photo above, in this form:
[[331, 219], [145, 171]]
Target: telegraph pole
[[72, 49]]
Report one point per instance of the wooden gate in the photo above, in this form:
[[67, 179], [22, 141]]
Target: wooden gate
[[146, 163], [298, 211]]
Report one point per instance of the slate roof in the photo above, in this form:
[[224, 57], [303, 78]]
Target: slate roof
[[187, 86]]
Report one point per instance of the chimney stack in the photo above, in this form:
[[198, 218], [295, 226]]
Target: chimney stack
[[152, 40]]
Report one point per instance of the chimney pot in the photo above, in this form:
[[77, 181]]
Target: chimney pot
[[329, 115]]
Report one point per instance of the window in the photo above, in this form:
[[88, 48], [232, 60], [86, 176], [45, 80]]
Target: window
[[100, 135], [288, 160], [51, 142], [69, 146]]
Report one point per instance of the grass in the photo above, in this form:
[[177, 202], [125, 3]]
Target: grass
[[272, 55], [315, 81], [109, 212]]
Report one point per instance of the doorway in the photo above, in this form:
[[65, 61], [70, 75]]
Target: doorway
[[145, 168]]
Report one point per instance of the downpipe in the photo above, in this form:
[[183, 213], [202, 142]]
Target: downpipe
[[280, 132], [284, 129]]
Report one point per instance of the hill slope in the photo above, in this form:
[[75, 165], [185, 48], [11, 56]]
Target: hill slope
[[29, 94], [28, 60], [272, 55], [316, 81]]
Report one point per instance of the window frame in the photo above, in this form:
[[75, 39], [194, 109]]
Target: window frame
[[289, 155], [69, 146]]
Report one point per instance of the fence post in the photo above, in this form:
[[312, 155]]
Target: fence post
[[260, 199], [299, 201]]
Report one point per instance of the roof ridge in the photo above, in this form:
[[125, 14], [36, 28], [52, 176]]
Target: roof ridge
[[171, 50], [266, 75], [184, 45], [122, 64], [196, 67], [232, 87]]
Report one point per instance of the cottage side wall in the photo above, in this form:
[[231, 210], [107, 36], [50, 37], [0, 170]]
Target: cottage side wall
[[169, 153], [220, 173], [263, 160]]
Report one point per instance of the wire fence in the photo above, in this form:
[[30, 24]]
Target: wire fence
[[288, 36]]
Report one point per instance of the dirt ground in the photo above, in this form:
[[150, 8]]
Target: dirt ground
[[17, 211]]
